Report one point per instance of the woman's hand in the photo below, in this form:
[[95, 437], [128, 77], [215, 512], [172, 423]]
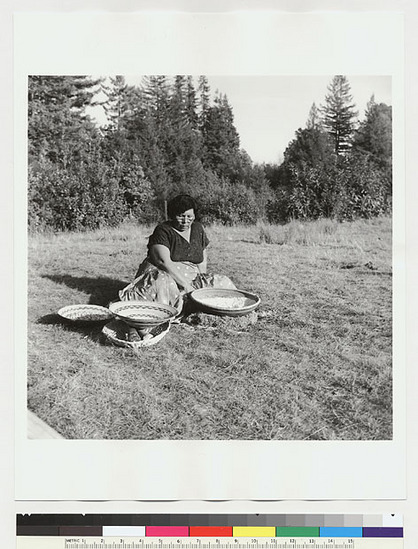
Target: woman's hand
[[160, 257], [204, 265], [188, 288]]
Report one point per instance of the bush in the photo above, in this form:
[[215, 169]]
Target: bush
[[315, 191], [365, 189], [350, 188], [227, 203], [90, 195], [277, 208], [139, 198]]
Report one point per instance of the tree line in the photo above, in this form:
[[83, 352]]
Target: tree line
[[171, 135]]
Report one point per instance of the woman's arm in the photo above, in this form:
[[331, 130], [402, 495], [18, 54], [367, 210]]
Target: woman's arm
[[204, 265], [160, 257]]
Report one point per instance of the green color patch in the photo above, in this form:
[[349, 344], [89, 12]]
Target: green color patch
[[297, 532]]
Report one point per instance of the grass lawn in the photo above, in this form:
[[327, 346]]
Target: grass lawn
[[316, 365]]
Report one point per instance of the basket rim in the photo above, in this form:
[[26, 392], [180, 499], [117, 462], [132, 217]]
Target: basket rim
[[106, 330], [113, 307], [243, 293], [107, 314], [168, 312]]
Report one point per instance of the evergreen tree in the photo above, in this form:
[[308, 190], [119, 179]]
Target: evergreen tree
[[122, 103], [303, 187], [339, 114], [311, 146], [314, 118], [178, 115], [191, 103], [115, 103], [374, 135], [204, 99], [157, 98], [178, 97], [58, 127], [220, 137]]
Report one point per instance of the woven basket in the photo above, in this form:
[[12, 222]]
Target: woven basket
[[225, 302], [117, 332], [85, 313], [143, 314]]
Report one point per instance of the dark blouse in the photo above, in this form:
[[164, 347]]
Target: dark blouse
[[180, 249]]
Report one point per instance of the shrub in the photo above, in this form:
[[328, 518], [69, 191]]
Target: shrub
[[315, 191], [227, 203], [89, 195], [277, 208], [350, 188], [365, 189], [139, 198]]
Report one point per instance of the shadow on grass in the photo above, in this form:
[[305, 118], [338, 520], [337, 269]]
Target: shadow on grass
[[93, 330], [102, 290]]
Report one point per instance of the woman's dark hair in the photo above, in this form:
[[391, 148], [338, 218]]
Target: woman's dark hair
[[179, 204]]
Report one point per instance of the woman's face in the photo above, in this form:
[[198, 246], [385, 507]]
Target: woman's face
[[183, 221]]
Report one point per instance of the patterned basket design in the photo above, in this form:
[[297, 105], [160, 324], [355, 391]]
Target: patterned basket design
[[224, 302], [117, 332], [143, 314], [85, 313]]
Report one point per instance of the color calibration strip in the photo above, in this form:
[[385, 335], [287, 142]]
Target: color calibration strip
[[215, 526]]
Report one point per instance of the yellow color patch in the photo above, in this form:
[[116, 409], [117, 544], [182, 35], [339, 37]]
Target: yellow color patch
[[254, 532]]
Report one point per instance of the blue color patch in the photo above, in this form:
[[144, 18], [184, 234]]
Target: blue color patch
[[342, 532]]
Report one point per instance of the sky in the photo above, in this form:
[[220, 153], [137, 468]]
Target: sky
[[269, 109]]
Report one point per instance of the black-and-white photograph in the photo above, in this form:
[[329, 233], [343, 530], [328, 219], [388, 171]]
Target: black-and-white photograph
[[210, 257]]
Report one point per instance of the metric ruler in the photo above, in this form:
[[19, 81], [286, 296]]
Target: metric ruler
[[209, 531], [52, 542]]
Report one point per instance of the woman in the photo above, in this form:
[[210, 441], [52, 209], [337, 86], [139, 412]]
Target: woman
[[177, 259]]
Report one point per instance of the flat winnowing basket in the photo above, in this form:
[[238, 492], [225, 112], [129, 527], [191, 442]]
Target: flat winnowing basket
[[117, 332], [85, 313], [143, 314], [225, 302]]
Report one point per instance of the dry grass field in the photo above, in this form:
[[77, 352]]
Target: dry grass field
[[316, 365]]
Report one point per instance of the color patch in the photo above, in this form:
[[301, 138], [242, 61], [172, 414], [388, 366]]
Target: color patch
[[353, 520], [76, 531], [254, 532], [334, 532], [295, 521], [167, 531], [334, 521], [297, 532], [373, 521], [37, 530], [382, 532], [210, 531], [120, 531], [391, 521], [313, 520]]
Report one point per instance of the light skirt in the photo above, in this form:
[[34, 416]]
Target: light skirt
[[153, 284]]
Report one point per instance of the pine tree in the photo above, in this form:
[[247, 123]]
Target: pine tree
[[204, 99], [157, 98], [339, 114], [123, 102], [220, 137], [114, 106], [178, 96], [314, 118], [58, 127], [311, 145], [374, 134], [191, 103], [178, 116]]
